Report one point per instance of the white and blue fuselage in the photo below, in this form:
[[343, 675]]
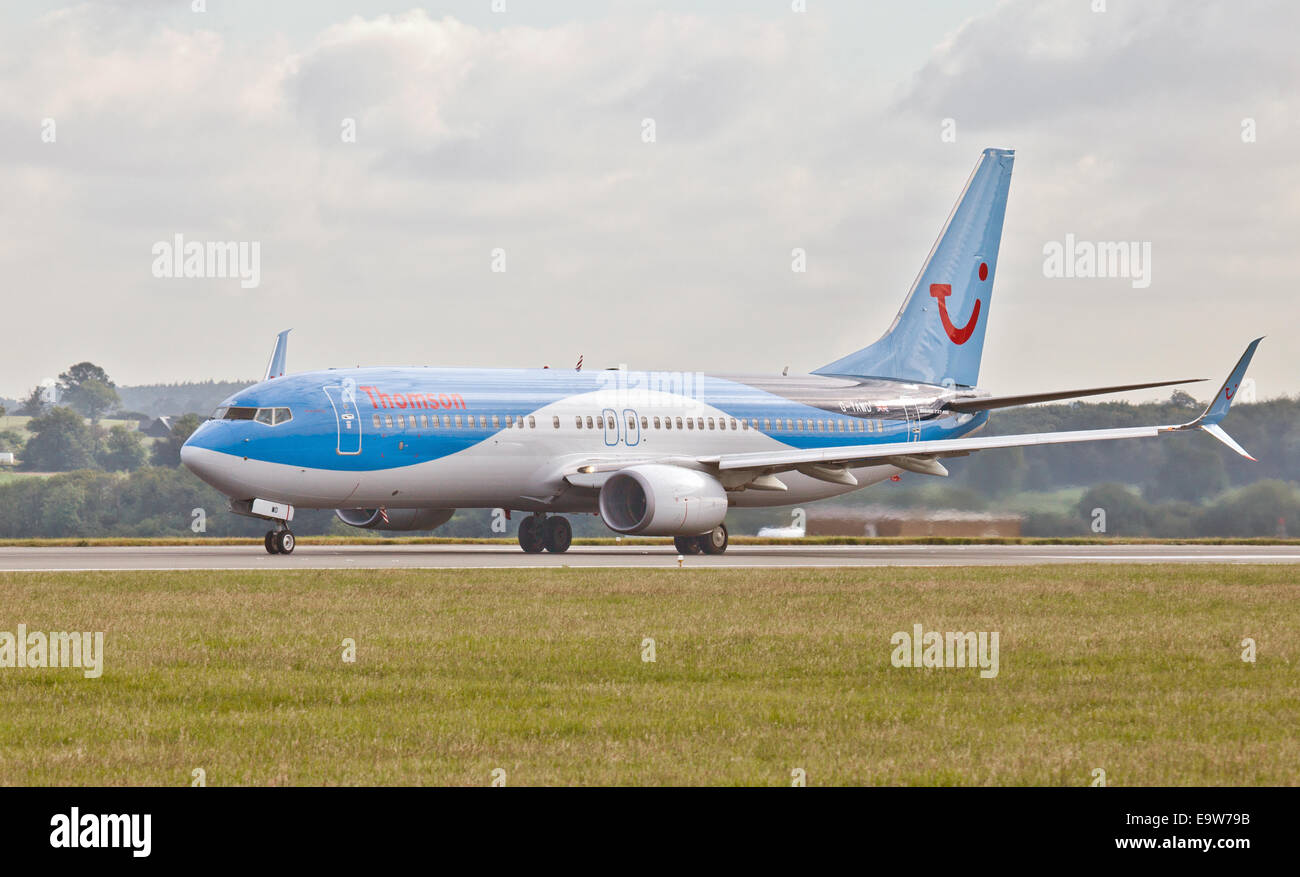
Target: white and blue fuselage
[[507, 438]]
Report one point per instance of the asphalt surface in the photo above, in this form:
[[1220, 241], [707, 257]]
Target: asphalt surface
[[192, 557]]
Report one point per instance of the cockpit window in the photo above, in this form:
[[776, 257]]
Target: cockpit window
[[269, 416]]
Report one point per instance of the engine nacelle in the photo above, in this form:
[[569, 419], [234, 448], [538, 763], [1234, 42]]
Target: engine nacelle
[[398, 519], [659, 500]]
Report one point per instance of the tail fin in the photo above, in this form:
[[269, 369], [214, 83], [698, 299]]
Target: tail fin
[[938, 336], [275, 368]]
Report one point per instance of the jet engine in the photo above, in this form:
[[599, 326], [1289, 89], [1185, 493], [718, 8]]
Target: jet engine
[[659, 500], [398, 519]]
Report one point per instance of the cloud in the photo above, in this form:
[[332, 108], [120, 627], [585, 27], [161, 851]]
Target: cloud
[[667, 254]]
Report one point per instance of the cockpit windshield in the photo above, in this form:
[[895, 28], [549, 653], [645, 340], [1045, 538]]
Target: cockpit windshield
[[269, 416]]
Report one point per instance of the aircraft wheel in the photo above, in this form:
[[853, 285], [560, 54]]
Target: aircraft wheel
[[530, 534], [557, 535], [687, 544], [284, 542], [714, 541], [269, 542]]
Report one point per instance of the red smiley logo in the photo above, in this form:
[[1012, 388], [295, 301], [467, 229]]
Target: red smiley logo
[[941, 291]]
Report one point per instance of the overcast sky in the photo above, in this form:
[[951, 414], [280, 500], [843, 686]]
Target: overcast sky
[[523, 130]]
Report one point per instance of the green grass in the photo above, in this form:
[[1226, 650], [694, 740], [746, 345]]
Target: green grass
[[1133, 669]]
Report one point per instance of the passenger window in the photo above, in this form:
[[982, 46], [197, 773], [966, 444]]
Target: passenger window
[[458, 421], [690, 423], [631, 423], [532, 422], [679, 423], [609, 421], [496, 421], [446, 421], [589, 426], [265, 415], [401, 421], [510, 421], [376, 421], [767, 424], [578, 421], [644, 425], [388, 421], [555, 421], [657, 423], [733, 423], [711, 423], [744, 424], [699, 422]]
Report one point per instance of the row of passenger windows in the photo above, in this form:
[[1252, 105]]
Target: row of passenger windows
[[839, 424], [458, 421], [606, 421]]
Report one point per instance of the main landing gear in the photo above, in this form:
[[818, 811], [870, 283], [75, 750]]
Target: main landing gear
[[539, 532], [279, 541], [712, 542]]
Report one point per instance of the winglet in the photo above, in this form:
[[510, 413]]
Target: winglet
[[275, 368], [1218, 409]]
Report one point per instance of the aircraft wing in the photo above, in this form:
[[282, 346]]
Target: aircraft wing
[[833, 464], [987, 403], [923, 456]]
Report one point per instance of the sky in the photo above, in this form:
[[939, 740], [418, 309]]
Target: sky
[[387, 160]]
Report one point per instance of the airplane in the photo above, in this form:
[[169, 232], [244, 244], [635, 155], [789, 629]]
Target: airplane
[[651, 453]]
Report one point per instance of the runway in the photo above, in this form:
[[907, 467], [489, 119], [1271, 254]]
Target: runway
[[249, 557]]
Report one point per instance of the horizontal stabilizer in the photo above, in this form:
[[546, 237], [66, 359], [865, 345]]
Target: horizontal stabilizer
[[990, 402]]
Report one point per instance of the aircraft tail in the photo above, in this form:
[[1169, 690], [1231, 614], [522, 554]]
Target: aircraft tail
[[938, 335]]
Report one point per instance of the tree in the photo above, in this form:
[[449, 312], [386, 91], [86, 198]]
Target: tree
[[34, 404], [123, 450], [87, 388], [167, 451], [61, 441]]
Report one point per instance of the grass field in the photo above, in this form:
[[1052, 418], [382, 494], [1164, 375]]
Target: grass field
[[1133, 669]]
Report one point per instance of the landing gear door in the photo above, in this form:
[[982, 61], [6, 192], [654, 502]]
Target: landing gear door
[[344, 399]]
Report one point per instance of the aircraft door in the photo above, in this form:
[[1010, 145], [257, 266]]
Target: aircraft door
[[343, 397], [913, 414], [633, 434], [610, 419]]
